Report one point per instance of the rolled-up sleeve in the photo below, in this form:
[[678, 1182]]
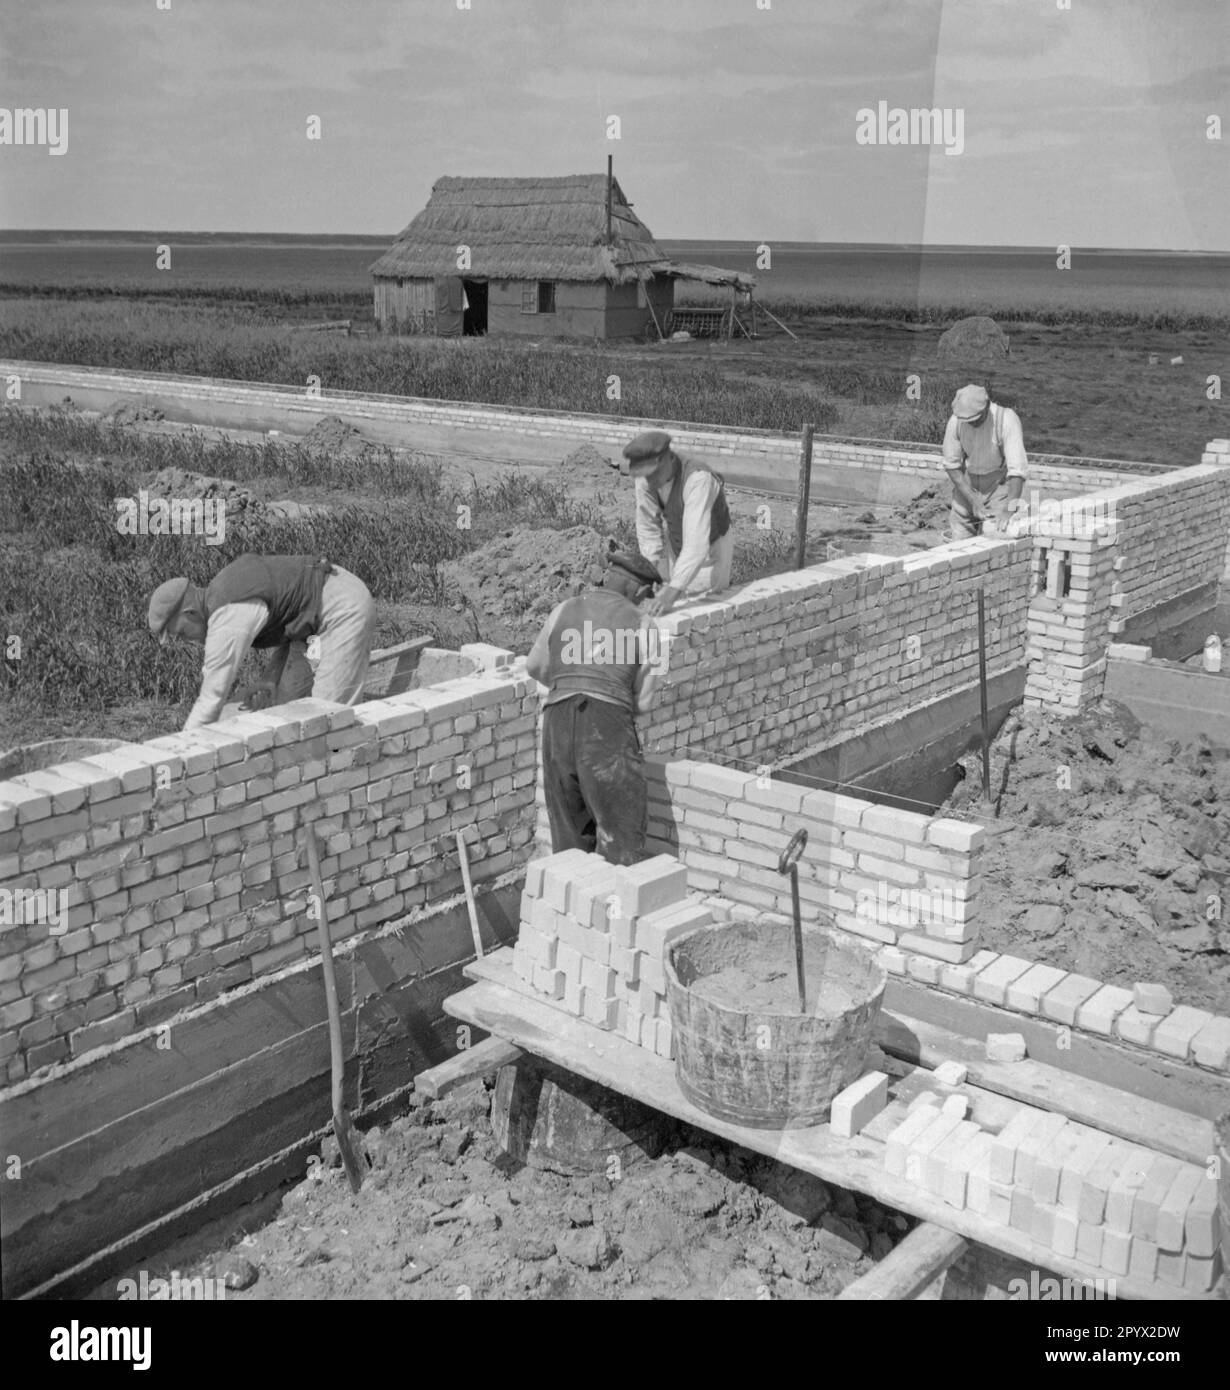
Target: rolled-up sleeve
[[1013, 444], [699, 495], [649, 525], [228, 639], [952, 452]]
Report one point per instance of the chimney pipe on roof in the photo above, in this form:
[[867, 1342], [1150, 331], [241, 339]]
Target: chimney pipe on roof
[[610, 186]]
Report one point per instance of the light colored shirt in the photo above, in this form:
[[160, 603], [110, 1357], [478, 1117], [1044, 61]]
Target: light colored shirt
[[228, 638], [1008, 436], [644, 686], [699, 494]]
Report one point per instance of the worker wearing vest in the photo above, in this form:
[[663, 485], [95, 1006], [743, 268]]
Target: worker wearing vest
[[275, 601], [600, 659], [984, 453], [682, 520]]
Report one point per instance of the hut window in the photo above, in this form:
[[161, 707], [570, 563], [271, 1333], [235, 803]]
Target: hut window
[[538, 298]]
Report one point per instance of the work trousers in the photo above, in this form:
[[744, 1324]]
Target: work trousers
[[337, 670], [593, 777], [962, 521]]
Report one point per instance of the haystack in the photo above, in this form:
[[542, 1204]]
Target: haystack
[[973, 339]]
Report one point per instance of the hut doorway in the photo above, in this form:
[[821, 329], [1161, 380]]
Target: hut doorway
[[475, 323]]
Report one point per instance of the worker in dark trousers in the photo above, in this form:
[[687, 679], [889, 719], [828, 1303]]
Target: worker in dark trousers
[[600, 659]]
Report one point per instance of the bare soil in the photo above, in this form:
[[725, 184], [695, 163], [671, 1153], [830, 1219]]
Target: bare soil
[[446, 1214], [1110, 855]]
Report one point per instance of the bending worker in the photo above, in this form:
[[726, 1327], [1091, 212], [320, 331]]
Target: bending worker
[[278, 601], [682, 520], [984, 453], [600, 659]]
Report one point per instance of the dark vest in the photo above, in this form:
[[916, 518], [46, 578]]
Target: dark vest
[[601, 659], [289, 584], [719, 517]]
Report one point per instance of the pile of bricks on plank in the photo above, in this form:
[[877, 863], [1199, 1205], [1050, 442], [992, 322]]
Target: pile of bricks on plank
[[1144, 1015], [1071, 1189], [593, 937]]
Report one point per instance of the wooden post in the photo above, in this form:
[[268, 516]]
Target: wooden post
[[982, 695], [804, 498], [610, 193]]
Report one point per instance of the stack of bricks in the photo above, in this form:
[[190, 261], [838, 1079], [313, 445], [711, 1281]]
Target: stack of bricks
[[594, 936], [1076, 1191], [886, 875]]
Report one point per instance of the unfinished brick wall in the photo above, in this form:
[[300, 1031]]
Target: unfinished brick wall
[[799, 661], [182, 864], [893, 877], [1163, 538]]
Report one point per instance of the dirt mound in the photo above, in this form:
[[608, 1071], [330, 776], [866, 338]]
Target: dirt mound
[[133, 413], [928, 511], [587, 459], [336, 436], [525, 573], [977, 337], [1111, 856], [179, 482]]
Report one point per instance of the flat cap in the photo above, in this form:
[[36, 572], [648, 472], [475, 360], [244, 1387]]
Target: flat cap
[[647, 446], [969, 402], [635, 565], [165, 599]]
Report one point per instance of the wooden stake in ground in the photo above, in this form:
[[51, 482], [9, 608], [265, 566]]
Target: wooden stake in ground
[[982, 695], [348, 1141], [804, 498], [465, 878]]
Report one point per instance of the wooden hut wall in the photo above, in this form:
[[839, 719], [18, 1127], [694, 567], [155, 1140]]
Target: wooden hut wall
[[405, 307]]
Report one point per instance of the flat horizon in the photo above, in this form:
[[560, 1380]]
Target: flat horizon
[[12, 236]]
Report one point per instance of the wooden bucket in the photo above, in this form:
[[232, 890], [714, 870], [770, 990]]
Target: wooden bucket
[[771, 1068]]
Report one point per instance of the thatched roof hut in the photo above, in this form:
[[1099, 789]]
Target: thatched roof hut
[[501, 254]]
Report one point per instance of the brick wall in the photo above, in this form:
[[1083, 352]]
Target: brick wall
[[799, 661], [1055, 473], [889, 876], [1159, 539], [180, 863]]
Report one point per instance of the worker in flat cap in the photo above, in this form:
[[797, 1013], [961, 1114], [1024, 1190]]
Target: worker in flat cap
[[984, 453], [318, 618], [601, 659], [682, 520]]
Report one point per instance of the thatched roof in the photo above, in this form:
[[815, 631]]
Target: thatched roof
[[525, 229], [709, 274]]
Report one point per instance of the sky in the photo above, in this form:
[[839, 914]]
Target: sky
[[1084, 122]]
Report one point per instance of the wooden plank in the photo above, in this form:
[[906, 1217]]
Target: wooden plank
[[913, 1264], [391, 670], [1113, 1064], [503, 1010], [479, 1060]]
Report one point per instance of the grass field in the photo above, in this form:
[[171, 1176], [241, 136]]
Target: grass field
[[75, 590]]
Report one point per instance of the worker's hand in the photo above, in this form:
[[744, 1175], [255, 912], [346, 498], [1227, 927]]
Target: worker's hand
[[258, 695], [662, 603]]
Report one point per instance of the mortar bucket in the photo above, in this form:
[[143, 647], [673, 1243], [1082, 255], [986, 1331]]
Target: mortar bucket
[[771, 1067]]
